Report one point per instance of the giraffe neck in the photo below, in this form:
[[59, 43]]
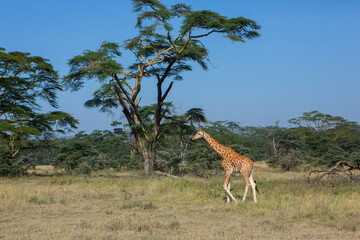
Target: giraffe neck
[[218, 147]]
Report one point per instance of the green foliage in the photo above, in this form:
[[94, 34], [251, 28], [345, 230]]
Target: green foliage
[[318, 143], [24, 81], [327, 139], [354, 157], [225, 132], [236, 29], [195, 116], [93, 64], [8, 167], [25, 78], [80, 154], [177, 154], [41, 150], [203, 157], [113, 147], [333, 155], [80, 157], [291, 161], [13, 166], [286, 139], [103, 98], [160, 51], [319, 122], [148, 112]]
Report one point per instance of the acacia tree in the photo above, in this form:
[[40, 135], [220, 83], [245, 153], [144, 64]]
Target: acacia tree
[[161, 52], [328, 138], [195, 115], [319, 122], [24, 81]]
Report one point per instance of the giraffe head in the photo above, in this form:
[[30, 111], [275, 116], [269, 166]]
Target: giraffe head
[[199, 134]]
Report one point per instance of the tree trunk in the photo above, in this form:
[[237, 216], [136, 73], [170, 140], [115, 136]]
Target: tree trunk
[[143, 156], [147, 156], [274, 147], [149, 163]]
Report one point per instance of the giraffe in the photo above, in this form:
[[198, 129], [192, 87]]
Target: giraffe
[[232, 162]]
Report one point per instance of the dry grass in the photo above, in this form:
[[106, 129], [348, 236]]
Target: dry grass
[[43, 169], [124, 207]]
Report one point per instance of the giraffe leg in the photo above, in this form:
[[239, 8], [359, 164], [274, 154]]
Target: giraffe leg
[[230, 195], [253, 187], [227, 196], [247, 185], [227, 181], [246, 190]]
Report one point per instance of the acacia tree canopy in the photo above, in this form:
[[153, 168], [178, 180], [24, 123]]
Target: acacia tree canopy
[[24, 81], [161, 51]]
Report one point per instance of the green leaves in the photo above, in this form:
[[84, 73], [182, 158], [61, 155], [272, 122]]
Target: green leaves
[[236, 29], [54, 121], [161, 51], [195, 115], [139, 5], [99, 64], [104, 98], [180, 9], [151, 9], [24, 80], [149, 111], [80, 156], [203, 20], [318, 121]]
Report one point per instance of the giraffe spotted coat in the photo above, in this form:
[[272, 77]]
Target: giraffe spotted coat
[[232, 162]]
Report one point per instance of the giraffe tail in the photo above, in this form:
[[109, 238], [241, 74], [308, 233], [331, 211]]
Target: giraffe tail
[[256, 188]]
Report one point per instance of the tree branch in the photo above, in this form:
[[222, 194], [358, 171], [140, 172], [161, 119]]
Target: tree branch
[[128, 74], [153, 61], [124, 105], [207, 34], [167, 91], [132, 106], [335, 170]]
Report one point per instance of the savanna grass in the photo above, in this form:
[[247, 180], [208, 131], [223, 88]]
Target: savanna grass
[[129, 205]]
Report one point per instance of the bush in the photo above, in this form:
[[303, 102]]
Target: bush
[[288, 162], [273, 161], [333, 155], [83, 168], [12, 166], [124, 162], [291, 161], [80, 157], [171, 165], [8, 165], [354, 157], [202, 156]]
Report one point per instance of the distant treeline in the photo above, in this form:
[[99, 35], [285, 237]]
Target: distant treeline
[[314, 139]]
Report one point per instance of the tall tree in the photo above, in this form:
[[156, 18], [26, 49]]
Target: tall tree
[[319, 122], [26, 80], [195, 115], [161, 51]]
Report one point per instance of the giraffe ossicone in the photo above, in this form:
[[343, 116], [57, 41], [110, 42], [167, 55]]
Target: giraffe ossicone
[[232, 161]]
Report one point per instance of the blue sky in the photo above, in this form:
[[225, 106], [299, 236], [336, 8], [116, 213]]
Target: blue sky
[[308, 57]]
